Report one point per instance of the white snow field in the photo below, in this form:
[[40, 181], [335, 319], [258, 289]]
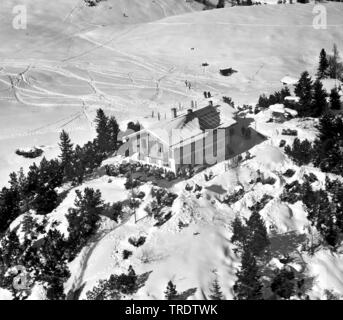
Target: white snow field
[[73, 59], [44, 87]]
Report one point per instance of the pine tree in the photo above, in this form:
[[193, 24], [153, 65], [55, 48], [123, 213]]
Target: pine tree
[[221, 4], [257, 235], [323, 65], [118, 286], [44, 196], [103, 133], [301, 152], [9, 207], [32, 181], [285, 92], [319, 104], [327, 128], [328, 152], [83, 219], [263, 102], [216, 293], [303, 90], [239, 232], [335, 66], [114, 130], [170, 293], [66, 155], [14, 183], [11, 249], [248, 285], [335, 99], [28, 225]]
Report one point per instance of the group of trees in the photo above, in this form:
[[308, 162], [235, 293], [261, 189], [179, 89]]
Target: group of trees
[[78, 162], [83, 219], [327, 151], [300, 152], [118, 286], [277, 97], [324, 206], [328, 148], [37, 189], [330, 66], [325, 211], [252, 240], [46, 259], [313, 97], [45, 251]]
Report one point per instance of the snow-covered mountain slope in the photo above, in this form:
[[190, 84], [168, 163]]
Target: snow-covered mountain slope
[[195, 241], [136, 64]]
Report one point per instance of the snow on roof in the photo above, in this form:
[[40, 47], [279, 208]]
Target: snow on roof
[[292, 98], [289, 80], [279, 107], [292, 112], [177, 130], [192, 124], [227, 114]]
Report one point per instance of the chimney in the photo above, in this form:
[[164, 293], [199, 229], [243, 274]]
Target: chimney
[[174, 112], [211, 103], [189, 111]]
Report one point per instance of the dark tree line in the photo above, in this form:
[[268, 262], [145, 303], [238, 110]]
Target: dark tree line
[[118, 286], [252, 240], [37, 189], [265, 102], [324, 207], [330, 66], [327, 151], [313, 98], [45, 253], [46, 259]]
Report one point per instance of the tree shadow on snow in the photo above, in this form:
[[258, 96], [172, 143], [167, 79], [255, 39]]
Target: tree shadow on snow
[[286, 243]]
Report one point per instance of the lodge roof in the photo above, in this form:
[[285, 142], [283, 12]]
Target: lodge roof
[[192, 124]]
